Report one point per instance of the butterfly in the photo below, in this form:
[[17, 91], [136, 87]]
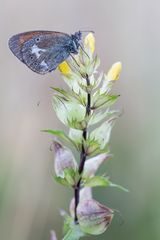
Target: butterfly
[[43, 51]]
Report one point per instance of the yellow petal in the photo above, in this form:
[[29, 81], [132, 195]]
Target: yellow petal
[[114, 72], [89, 41], [64, 68]]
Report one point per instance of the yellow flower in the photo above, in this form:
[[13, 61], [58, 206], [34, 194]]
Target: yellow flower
[[64, 68], [89, 41], [114, 71]]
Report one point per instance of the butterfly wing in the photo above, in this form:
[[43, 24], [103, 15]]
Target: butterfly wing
[[41, 51]]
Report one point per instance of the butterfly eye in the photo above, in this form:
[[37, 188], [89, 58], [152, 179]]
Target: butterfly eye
[[31, 57], [37, 39]]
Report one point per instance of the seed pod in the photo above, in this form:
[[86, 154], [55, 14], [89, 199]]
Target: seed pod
[[64, 159], [94, 218]]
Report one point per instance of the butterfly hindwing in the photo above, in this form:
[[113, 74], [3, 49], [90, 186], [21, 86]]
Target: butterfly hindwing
[[43, 54]]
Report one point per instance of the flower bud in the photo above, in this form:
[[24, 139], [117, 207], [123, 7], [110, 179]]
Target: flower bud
[[64, 68], [53, 236], [89, 41], [63, 159], [85, 194], [94, 218], [114, 71]]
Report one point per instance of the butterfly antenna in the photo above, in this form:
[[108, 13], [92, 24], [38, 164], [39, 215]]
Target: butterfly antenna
[[88, 31], [71, 65], [74, 60], [84, 51]]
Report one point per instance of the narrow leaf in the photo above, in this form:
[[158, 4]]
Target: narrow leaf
[[62, 135]]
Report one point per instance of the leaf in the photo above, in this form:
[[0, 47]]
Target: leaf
[[72, 96], [79, 125], [68, 179], [101, 181], [71, 230], [102, 133], [103, 100], [74, 233], [92, 66], [93, 148], [72, 114], [96, 81], [72, 82], [96, 181], [62, 92], [60, 134], [76, 136], [67, 222], [61, 181], [99, 116], [118, 186], [70, 175]]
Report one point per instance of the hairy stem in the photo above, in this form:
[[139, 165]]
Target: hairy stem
[[82, 155]]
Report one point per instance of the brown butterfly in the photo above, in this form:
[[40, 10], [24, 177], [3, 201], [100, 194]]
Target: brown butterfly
[[43, 51]]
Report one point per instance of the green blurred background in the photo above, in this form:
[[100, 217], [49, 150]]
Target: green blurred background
[[29, 201]]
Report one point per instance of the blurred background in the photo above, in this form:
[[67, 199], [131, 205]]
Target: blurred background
[[126, 31]]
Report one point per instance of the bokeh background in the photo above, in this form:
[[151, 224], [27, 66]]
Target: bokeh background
[[29, 201]]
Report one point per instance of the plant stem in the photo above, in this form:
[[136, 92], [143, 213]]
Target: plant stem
[[82, 155]]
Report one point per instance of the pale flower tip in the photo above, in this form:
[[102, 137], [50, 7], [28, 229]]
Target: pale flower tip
[[64, 68], [114, 71], [89, 41]]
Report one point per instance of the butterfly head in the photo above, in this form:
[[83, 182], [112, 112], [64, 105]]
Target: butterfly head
[[75, 42]]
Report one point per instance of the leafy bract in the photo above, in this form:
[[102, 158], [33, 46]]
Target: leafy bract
[[102, 133], [101, 181], [61, 135], [71, 114]]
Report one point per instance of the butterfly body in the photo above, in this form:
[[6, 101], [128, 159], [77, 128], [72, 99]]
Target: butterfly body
[[43, 51]]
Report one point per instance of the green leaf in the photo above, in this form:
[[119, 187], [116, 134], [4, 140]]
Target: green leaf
[[72, 82], [60, 134], [106, 85], [101, 115], [118, 186], [70, 175], [69, 179], [96, 181], [76, 136], [62, 92], [72, 114], [92, 66], [101, 181], [102, 133], [74, 233], [72, 96], [61, 181], [96, 82], [103, 100], [93, 148]]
